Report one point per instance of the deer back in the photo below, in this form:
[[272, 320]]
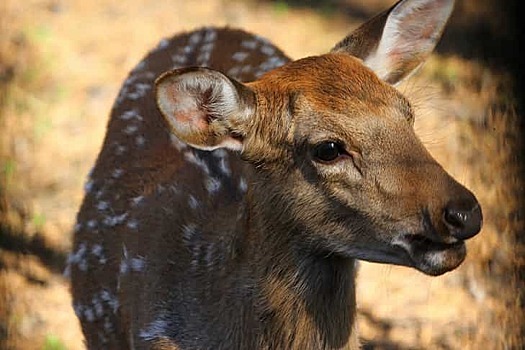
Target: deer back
[[145, 177]]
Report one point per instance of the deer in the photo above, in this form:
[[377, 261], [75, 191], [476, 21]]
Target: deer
[[236, 189]]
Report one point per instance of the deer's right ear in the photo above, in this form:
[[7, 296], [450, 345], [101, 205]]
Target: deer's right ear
[[396, 42], [204, 108]]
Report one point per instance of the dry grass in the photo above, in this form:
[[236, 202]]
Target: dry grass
[[61, 64]]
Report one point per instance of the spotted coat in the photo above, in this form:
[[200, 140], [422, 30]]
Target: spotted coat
[[110, 236]]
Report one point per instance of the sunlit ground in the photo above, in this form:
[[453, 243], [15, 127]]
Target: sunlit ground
[[61, 65]]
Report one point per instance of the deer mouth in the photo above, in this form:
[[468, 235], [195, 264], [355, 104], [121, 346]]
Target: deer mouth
[[430, 256]]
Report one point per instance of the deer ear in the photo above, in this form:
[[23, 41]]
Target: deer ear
[[204, 108], [397, 41]]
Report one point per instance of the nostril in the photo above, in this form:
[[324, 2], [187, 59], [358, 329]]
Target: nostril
[[463, 220], [456, 218]]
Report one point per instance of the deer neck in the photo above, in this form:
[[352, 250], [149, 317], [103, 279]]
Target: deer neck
[[307, 296]]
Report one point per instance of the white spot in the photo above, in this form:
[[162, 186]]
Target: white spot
[[92, 224], [243, 186], [124, 261], [119, 149], [240, 213], [102, 205], [203, 58], [179, 59], [131, 129], [83, 265], [80, 252], [78, 257], [110, 299], [163, 44], [210, 35], [196, 251], [124, 267], [174, 189], [67, 271], [193, 202], [268, 50], [132, 224], [208, 258], [136, 200], [137, 264], [108, 326], [195, 38], [269, 64], [88, 186], [115, 220], [140, 90], [240, 56], [234, 71], [212, 185], [139, 67], [208, 47], [224, 166], [249, 44], [247, 69], [89, 315], [133, 264], [117, 173], [78, 308], [131, 114], [220, 153], [155, 329], [190, 157], [262, 39], [97, 250], [140, 141], [188, 232], [99, 308]]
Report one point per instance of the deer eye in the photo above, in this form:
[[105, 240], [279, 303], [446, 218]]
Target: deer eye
[[328, 151]]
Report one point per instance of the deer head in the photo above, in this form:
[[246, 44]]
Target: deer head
[[334, 155]]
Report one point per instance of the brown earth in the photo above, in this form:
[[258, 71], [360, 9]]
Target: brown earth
[[61, 64]]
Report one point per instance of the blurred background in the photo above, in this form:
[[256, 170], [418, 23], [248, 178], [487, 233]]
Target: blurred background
[[62, 63]]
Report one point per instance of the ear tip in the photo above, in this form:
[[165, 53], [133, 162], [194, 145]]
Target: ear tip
[[167, 75], [446, 6]]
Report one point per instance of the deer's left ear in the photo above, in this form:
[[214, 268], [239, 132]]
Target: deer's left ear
[[204, 108], [397, 41]]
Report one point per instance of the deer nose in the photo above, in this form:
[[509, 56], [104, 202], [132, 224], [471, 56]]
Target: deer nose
[[463, 218]]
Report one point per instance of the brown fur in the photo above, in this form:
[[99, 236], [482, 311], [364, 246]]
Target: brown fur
[[256, 249]]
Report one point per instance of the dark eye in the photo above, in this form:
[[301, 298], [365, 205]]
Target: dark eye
[[328, 151]]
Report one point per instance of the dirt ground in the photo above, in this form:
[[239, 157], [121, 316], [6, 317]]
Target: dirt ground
[[61, 65]]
